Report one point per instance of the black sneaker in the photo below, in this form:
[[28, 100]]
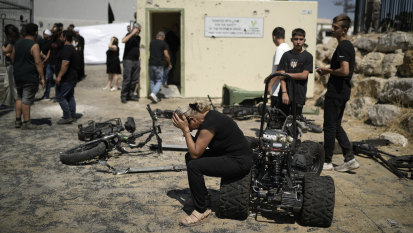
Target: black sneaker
[[74, 118], [133, 98], [124, 101], [18, 124], [29, 126], [65, 121]]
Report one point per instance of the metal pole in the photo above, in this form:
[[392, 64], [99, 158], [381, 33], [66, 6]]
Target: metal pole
[[356, 18], [31, 11]]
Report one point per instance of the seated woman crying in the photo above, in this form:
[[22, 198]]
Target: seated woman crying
[[228, 155]]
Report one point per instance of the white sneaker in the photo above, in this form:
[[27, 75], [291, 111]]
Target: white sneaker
[[106, 88], [113, 89], [153, 98], [328, 166], [347, 166]]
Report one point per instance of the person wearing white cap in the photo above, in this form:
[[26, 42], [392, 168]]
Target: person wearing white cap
[[44, 45]]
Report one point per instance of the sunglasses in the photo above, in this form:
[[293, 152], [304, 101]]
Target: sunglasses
[[194, 107]]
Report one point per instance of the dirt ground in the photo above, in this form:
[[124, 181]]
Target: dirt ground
[[40, 194]]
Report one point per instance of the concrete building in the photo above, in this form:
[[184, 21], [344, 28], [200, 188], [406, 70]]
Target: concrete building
[[210, 56]]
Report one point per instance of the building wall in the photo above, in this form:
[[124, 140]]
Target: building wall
[[209, 63]]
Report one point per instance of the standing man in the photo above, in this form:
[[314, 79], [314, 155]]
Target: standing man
[[174, 43], [158, 53], [55, 46], [278, 37], [67, 76], [298, 63], [80, 48], [131, 64], [12, 35], [45, 44], [337, 95], [28, 67]]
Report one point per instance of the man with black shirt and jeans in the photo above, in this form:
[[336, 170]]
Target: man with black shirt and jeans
[[131, 64], [337, 95], [55, 47], [297, 63], [67, 76], [159, 52]]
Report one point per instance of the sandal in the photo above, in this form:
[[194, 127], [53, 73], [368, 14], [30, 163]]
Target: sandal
[[195, 218]]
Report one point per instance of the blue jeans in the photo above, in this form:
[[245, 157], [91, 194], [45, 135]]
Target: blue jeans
[[65, 95], [156, 75], [165, 75], [50, 69]]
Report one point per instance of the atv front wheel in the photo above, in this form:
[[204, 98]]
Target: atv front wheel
[[318, 201]]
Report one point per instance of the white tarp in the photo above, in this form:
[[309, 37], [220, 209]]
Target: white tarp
[[97, 39]]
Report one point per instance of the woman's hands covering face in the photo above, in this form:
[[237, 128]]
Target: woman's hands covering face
[[180, 123]]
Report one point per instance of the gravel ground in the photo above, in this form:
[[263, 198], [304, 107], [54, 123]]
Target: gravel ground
[[40, 194]]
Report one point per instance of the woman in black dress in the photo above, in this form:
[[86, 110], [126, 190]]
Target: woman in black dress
[[112, 65], [228, 154]]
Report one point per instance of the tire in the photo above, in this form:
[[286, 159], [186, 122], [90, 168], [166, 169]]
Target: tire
[[234, 198], [405, 161], [318, 201], [252, 141], [83, 153], [314, 156]]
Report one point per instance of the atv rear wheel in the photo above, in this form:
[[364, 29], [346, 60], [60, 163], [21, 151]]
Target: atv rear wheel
[[234, 198], [318, 201]]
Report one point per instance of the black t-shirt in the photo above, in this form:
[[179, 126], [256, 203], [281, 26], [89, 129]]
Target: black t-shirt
[[228, 138], [44, 45], [55, 48], [339, 87], [157, 48], [67, 53], [131, 51], [81, 43], [296, 63], [24, 67], [173, 41]]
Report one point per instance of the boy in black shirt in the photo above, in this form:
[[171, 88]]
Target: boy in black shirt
[[297, 63], [338, 93]]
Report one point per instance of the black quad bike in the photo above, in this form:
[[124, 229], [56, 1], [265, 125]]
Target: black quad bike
[[106, 136], [285, 178]]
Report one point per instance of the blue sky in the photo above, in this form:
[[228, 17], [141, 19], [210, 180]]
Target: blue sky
[[327, 9]]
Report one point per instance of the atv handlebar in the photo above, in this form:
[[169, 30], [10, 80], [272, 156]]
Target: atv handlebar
[[267, 81], [271, 76]]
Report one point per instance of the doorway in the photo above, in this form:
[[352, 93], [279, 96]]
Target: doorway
[[170, 23]]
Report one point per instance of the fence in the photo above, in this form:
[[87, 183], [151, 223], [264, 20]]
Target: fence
[[16, 12], [391, 15]]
